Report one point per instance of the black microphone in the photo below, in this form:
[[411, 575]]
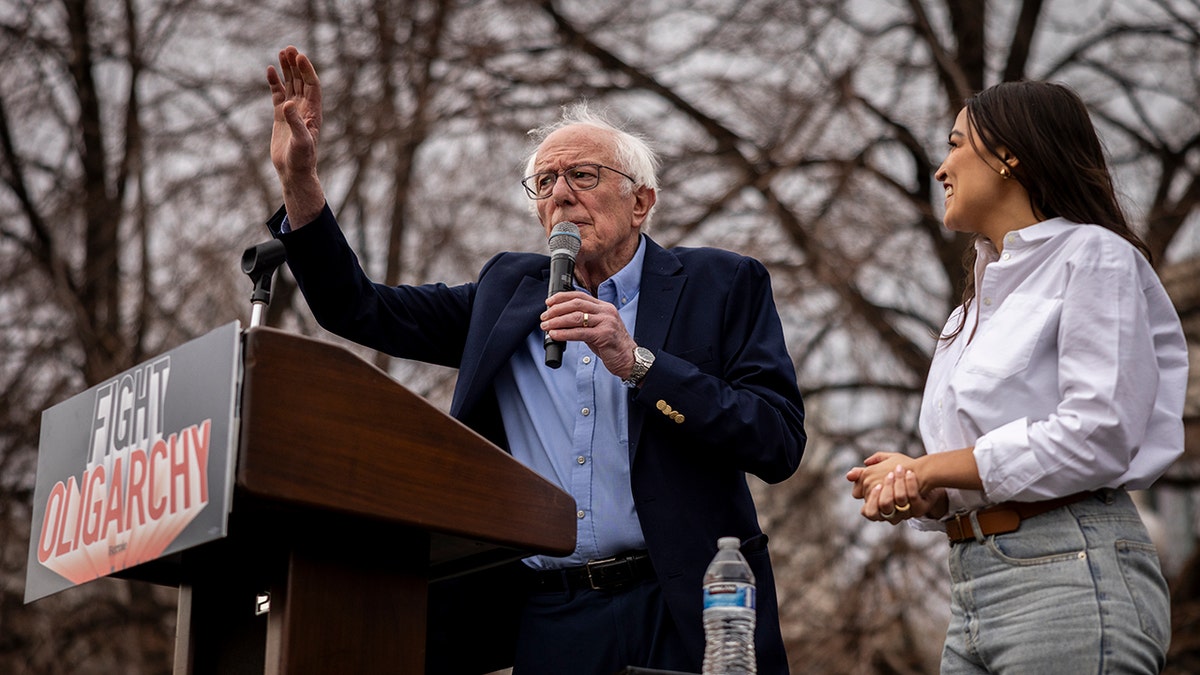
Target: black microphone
[[564, 245]]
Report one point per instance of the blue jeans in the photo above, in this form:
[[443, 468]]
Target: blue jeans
[[1075, 590]]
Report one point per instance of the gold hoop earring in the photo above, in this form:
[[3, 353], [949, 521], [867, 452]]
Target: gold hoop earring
[[1005, 173]]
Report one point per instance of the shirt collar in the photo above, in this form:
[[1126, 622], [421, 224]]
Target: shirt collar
[[621, 288], [1038, 232], [1025, 236], [986, 253]]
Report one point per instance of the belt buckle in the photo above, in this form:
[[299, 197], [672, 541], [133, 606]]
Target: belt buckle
[[593, 565], [958, 522]]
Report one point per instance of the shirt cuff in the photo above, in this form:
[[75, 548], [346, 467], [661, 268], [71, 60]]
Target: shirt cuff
[[1005, 461]]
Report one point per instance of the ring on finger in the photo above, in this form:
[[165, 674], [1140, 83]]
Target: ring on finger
[[889, 515], [585, 319], [903, 508]]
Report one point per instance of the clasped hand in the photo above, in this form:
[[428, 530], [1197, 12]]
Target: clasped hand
[[889, 487]]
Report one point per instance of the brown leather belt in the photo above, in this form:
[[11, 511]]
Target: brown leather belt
[[1004, 517], [609, 574]]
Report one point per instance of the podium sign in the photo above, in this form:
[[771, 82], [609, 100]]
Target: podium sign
[[137, 467]]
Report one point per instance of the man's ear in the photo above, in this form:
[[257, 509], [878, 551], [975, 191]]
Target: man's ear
[[643, 201]]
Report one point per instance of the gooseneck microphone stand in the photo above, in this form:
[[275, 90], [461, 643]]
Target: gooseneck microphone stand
[[259, 262]]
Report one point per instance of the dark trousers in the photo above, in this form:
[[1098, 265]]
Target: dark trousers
[[586, 632], [476, 621]]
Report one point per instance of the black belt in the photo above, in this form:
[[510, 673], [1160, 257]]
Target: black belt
[[610, 574]]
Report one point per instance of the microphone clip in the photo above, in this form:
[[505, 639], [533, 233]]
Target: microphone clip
[[259, 262]]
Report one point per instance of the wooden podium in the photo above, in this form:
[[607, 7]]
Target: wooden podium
[[352, 494]]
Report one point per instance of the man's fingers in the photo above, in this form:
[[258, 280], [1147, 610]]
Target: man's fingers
[[307, 73], [278, 96], [292, 116]]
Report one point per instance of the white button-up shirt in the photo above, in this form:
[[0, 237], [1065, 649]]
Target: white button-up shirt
[[1074, 378]]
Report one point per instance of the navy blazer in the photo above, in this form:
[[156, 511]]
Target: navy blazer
[[721, 363]]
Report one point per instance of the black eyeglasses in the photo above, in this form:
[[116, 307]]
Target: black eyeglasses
[[580, 178]]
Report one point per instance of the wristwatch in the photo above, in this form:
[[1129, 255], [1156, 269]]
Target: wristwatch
[[642, 360]]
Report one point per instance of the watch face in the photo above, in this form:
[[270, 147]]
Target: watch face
[[644, 355], [642, 360]]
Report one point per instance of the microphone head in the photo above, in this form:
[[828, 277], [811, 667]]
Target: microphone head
[[565, 240]]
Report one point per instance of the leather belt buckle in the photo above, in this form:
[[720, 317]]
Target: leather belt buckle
[[958, 525], [597, 569]]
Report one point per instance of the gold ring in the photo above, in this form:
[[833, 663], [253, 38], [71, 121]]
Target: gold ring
[[904, 508], [585, 319]]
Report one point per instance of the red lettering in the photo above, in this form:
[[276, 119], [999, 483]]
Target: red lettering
[[179, 474], [135, 514], [66, 540], [200, 439], [77, 511], [52, 521], [93, 506], [113, 511], [158, 500]]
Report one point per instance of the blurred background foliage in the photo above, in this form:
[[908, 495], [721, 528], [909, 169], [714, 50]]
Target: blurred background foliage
[[134, 171]]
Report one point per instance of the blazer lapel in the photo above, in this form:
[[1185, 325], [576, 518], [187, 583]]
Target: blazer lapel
[[510, 325], [663, 280]]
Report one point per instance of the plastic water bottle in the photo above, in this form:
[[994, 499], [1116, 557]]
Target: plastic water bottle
[[729, 612]]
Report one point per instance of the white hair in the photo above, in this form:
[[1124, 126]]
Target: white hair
[[634, 155]]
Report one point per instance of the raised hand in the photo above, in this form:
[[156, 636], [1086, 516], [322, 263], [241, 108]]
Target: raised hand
[[296, 97]]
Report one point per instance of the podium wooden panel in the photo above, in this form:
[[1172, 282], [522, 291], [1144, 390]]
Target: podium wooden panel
[[351, 495]]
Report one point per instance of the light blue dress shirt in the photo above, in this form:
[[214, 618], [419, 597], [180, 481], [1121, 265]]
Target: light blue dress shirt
[[571, 426]]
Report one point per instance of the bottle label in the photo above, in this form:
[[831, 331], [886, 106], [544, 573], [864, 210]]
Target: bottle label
[[729, 595]]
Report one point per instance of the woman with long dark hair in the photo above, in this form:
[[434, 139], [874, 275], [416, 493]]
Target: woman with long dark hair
[[1056, 386]]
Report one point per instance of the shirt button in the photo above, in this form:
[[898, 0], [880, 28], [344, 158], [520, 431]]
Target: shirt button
[[1006, 256], [586, 411], [587, 360], [581, 459], [579, 515], [987, 301]]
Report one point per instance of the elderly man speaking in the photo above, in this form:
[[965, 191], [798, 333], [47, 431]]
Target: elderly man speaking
[[674, 383]]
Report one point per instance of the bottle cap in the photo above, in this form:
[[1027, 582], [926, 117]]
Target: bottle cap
[[729, 542]]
